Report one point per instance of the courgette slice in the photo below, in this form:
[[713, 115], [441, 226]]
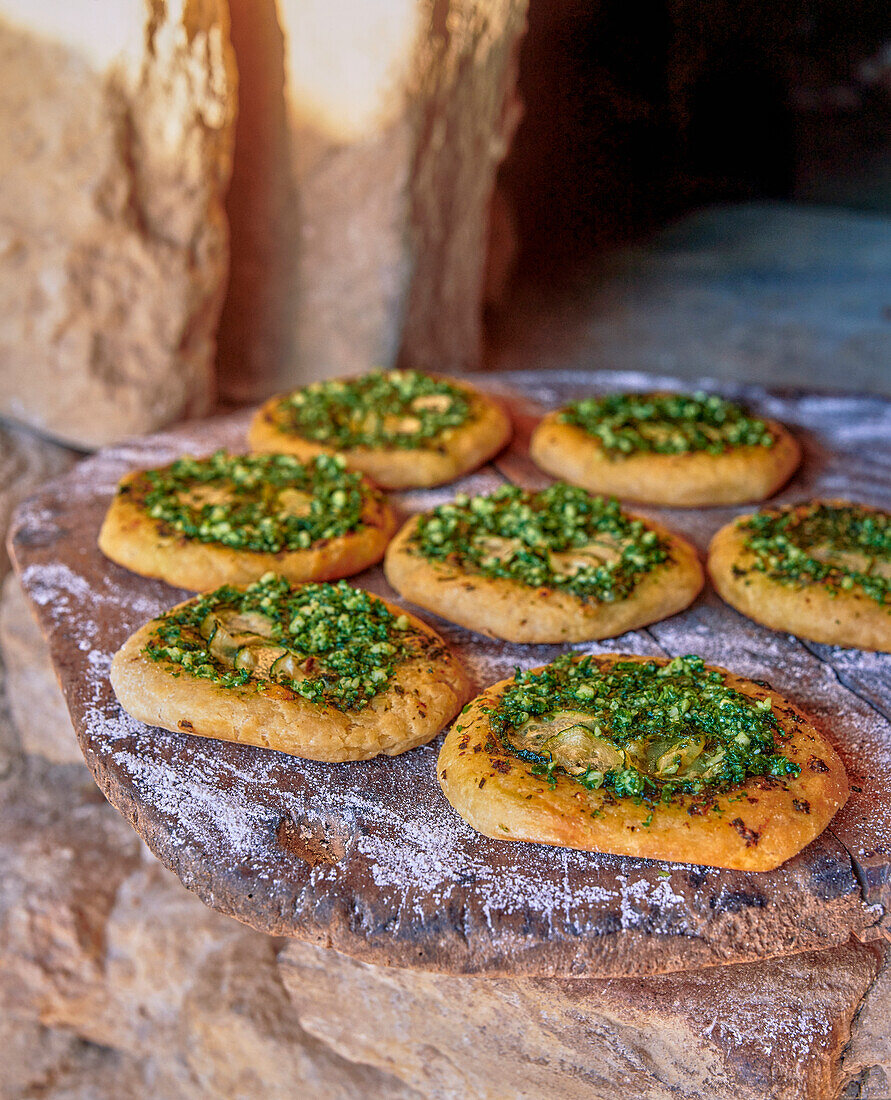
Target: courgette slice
[[222, 645], [578, 748], [245, 657], [285, 667], [674, 758]]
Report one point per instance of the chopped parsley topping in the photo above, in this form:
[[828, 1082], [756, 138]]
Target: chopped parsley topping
[[331, 644], [839, 546], [404, 409], [562, 537], [265, 503], [639, 729], [666, 423]]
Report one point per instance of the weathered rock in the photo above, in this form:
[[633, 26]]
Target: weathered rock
[[56, 1065], [26, 461], [35, 699], [242, 1035], [63, 858], [742, 1032], [867, 1059], [115, 981], [115, 134], [365, 164]]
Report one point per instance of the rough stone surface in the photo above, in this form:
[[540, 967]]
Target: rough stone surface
[[362, 183], [867, 1059], [773, 293], [400, 879], [36, 703], [26, 461], [115, 981], [113, 239], [746, 1032]]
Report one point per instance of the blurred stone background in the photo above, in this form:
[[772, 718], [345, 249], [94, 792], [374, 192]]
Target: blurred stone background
[[203, 201]]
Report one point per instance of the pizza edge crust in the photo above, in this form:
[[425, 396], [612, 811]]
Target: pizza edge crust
[[462, 450], [502, 608], [738, 476], [497, 795], [425, 695]]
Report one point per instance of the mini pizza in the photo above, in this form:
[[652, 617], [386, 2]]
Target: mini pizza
[[666, 448], [560, 565], [322, 671], [643, 757], [228, 519], [404, 429], [821, 570]]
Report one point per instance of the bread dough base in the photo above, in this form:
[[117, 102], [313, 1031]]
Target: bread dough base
[[504, 608], [811, 611], [497, 794], [457, 452], [424, 696], [691, 480], [130, 537]]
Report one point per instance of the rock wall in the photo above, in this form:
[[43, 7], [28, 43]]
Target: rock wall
[[115, 981], [366, 152], [115, 145], [25, 462], [743, 1032]]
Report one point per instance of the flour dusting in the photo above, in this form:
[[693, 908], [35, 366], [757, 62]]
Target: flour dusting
[[409, 862]]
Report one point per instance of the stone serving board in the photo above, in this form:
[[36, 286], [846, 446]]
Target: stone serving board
[[369, 857]]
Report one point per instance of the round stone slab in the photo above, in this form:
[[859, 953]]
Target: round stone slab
[[369, 858]]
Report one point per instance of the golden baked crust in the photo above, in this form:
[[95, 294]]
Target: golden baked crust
[[457, 451], [501, 607], [814, 611], [132, 538], [689, 480], [424, 695], [757, 827]]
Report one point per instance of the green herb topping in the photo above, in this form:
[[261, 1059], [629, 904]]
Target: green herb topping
[[562, 538], [332, 644], [666, 423], [840, 546], [641, 730], [254, 502], [403, 409]]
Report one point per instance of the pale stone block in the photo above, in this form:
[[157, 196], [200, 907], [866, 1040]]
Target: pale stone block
[[116, 981], [369, 137], [26, 461], [116, 126], [741, 1032], [33, 694]]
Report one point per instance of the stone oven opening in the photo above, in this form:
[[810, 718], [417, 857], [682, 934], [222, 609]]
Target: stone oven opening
[[631, 121], [686, 130]]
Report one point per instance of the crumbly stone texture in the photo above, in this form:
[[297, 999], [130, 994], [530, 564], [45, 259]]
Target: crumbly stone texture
[[502, 607], [775, 1029], [755, 825], [817, 611], [114, 253], [363, 182], [116, 981], [688, 480], [26, 461], [131, 537], [36, 705], [451, 454], [422, 694]]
